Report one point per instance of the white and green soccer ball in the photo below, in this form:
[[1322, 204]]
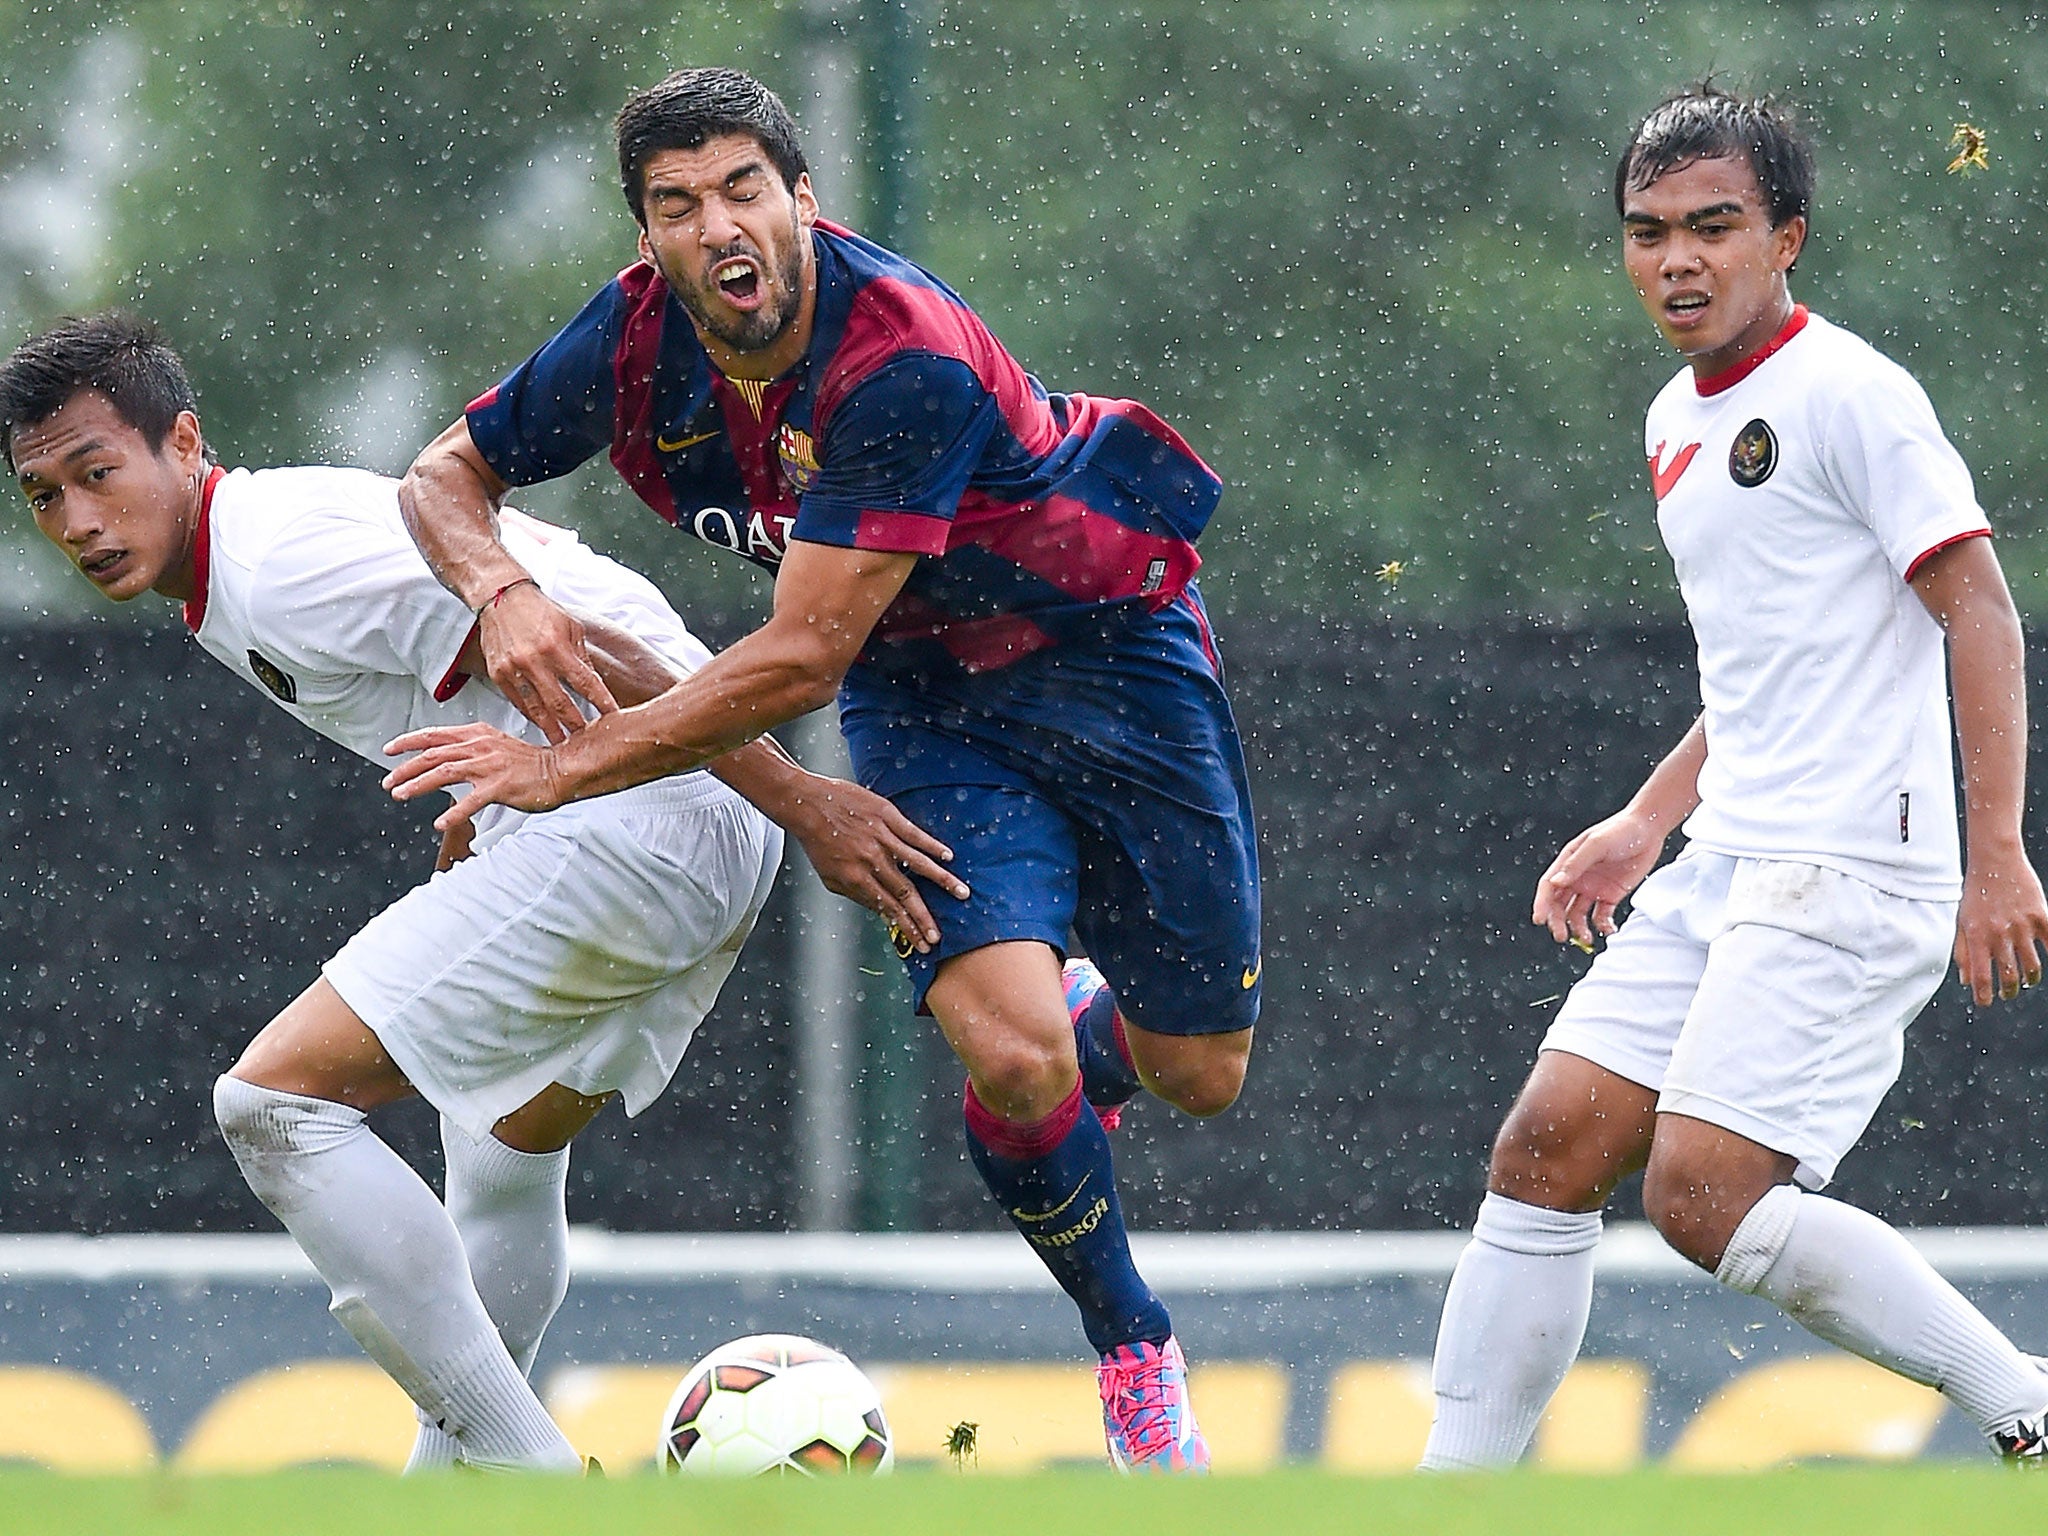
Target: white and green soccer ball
[[775, 1403]]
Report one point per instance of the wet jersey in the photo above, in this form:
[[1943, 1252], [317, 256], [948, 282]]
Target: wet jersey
[[905, 428], [310, 588], [1798, 493]]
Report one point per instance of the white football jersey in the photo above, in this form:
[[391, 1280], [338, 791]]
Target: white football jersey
[[1797, 494], [310, 587]]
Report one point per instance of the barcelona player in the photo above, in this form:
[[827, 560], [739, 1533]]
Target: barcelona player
[[996, 581]]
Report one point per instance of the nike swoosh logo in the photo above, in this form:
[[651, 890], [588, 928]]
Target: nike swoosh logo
[[683, 442], [1253, 973], [1663, 477], [1024, 1215]]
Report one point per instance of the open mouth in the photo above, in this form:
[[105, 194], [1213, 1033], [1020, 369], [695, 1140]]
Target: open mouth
[[738, 281], [101, 566], [1685, 306]]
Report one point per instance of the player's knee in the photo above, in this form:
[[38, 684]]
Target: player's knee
[[238, 1110], [1201, 1089], [1022, 1078], [1680, 1202], [1542, 1161]]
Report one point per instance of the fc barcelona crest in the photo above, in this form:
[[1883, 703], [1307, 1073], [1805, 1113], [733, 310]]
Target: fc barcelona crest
[[1754, 455], [799, 456]]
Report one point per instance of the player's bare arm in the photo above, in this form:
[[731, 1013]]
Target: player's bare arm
[[2002, 924], [1595, 871], [534, 651], [862, 847], [827, 599]]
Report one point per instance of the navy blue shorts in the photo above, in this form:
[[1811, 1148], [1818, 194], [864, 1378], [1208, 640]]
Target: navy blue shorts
[[1096, 788]]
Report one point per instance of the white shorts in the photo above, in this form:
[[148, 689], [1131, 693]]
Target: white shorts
[[582, 948], [1767, 997]]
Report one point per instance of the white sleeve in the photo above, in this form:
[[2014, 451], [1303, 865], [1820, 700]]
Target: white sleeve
[[1893, 467], [342, 594]]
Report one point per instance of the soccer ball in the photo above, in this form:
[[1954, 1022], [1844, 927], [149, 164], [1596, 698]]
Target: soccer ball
[[775, 1403]]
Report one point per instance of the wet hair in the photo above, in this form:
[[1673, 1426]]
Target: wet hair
[[692, 107], [1704, 122], [116, 354]]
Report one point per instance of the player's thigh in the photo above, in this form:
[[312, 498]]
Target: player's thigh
[[1797, 1029], [581, 949], [1169, 904], [551, 1119], [318, 1047], [1625, 1013], [1017, 853]]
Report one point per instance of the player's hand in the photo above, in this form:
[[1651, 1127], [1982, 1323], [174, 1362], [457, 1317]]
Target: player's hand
[[2001, 927], [538, 659], [1593, 875], [499, 770], [866, 850]]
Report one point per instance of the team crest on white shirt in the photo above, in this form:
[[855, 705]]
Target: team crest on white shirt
[[1753, 455], [274, 677]]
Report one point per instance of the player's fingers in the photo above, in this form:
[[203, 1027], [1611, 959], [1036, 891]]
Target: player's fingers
[[914, 862], [2007, 962], [910, 915], [548, 704], [462, 810], [436, 769], [430, 736], [1975, 964], [910, 832], [586, 681]]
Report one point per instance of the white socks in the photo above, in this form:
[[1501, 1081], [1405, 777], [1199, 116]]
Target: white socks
[[393, 1259], [508, 1207], [1855, 1282], [1514, 1317]]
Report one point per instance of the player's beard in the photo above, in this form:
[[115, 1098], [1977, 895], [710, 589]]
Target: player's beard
[[752, 330]]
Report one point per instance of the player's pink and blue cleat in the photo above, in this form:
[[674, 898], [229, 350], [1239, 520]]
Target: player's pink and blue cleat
[[1106, 1073], [1146, 1416]]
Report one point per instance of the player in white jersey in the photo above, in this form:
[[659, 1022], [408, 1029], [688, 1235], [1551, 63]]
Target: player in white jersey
[[552, 963], [1734, 1037]]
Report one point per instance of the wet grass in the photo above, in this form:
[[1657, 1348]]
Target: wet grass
[[1824, 1501]]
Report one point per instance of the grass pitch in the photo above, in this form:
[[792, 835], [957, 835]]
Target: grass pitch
[[1819, 1501]]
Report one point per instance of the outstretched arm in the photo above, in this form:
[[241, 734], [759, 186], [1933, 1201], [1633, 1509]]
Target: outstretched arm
[[862, 847], [1596, 870], [2003, 921], [827, 599], [534, 651]]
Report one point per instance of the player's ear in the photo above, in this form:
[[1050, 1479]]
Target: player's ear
[[186, 442], [806, 200], [1787, 241], [646, 250]]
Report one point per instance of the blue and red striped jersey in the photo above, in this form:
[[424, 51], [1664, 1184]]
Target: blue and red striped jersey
[[907, 427]]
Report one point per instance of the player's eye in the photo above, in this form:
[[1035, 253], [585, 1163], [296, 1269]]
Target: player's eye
[[99, 472]]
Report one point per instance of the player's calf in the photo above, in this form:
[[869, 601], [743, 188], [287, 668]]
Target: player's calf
[[1109, 1078]]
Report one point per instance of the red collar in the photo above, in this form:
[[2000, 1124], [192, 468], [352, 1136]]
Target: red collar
[[1728, 378], [202, 552]]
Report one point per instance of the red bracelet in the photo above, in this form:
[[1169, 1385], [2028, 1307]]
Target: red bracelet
[[499, 596]]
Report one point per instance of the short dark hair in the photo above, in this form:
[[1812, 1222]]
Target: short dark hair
[[693, 106], [119, 355], [1704, 122]]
